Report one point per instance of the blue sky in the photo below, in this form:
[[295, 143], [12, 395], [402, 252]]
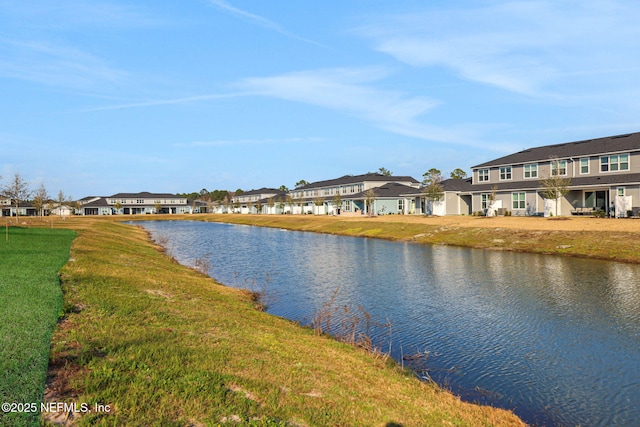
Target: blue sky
[[100, 97]]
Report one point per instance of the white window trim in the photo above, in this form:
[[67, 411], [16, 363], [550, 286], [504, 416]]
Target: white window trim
[[588, 165], [524, 171], [558, 162], [481, 174], [524, 199], [510, 173], [608, 157]]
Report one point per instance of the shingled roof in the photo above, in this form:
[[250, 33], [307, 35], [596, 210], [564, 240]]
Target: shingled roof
[[610, 144], [353, 179]]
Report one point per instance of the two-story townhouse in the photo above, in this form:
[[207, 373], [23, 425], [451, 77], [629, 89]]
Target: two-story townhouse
[[263, 200], [136, 203], [603, 174], [344, 194]]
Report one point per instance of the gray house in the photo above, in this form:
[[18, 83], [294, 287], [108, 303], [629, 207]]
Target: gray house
[[604, 175]]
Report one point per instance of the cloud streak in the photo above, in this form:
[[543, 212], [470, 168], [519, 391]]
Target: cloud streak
[[261, 21], [54, 65], [533, 48], [351, 91]]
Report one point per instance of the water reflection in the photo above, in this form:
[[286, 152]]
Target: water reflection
[[555, 339]]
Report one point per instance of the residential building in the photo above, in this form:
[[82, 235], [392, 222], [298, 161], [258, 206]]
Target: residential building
[[603, 174], [345, 194], [262, 200], [135, 203]]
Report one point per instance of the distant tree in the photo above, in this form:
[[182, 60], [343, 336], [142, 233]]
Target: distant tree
[[432, 175], [337, 201], [289, 200], [271, 202], [301, 183], [554, 187], [369, 198], [239, 191], [318, 201], [433, 190], [458, 174], [158, 207], [385, 172], [225, 203], [283, 188], [40, 199], [16, 190]]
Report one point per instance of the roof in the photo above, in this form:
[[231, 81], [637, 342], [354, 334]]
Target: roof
[[388, 190], [261, 191], [610, 144], [353, 179], [145, 195]]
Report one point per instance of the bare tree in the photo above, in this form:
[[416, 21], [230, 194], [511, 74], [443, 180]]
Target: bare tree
[[17, 190], [318, 201], [369, 198], [290, 201], [40, 199], [555, 187], [337, 202]]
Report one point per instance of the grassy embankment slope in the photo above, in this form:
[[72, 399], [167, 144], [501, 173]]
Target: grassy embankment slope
[[162, 344], [602, 238], [30, 303]]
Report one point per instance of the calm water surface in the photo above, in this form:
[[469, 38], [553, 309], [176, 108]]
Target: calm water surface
[[555, 339]]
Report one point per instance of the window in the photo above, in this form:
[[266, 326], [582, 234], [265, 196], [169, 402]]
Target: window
[[584, 165], [531, 171], [485, 198], [517, 200], [505, 173], [400, 205], [614, 163], [558, 167], [483, 175], [620, 191]]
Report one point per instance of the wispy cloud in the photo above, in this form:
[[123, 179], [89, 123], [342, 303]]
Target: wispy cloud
[[261, 21], [534, 48], [55, 65], [263, 141], [167, 101], [65, 14], [351, 91]]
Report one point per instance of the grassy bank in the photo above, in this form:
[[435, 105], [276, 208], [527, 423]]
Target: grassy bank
[[160, 344], [601, 238], [30, 303]]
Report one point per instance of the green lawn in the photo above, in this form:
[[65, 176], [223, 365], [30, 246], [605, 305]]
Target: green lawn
[[30, 304]]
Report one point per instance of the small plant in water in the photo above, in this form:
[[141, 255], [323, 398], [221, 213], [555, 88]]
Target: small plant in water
[[350, 325]]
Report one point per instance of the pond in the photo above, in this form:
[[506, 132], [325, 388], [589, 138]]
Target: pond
[[554, 339]]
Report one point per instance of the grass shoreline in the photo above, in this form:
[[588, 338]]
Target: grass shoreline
[[161, 344]]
